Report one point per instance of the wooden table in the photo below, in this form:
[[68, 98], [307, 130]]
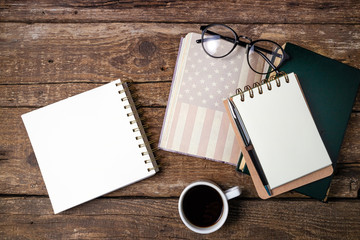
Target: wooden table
[[50, 50]]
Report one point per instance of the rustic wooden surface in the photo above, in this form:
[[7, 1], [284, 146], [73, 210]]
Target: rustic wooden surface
[[51, 50]]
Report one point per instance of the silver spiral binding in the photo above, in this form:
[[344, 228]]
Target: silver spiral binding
[[120, 91], [144, 143], [259, 85]]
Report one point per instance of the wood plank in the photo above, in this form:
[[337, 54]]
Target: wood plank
[[19, 172], [23, 177], [100, 52], [350, 152], [51, 50], [38, 95], [244, 11], [15, 144], [124, 218]]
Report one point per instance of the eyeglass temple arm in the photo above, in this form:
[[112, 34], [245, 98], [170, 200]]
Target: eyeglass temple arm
[[256, 49], [229, 39], [240, 43], [268, 61]]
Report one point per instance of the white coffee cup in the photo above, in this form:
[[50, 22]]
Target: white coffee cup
[[224, 195]]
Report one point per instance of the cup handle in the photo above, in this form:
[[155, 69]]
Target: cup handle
[[232, 192]]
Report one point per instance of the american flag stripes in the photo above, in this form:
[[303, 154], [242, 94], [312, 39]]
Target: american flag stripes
[[195, 121]]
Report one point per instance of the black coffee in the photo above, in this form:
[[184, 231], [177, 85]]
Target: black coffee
[[202, 206]]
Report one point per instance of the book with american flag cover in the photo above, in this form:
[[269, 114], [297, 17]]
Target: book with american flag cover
[[195, 121]]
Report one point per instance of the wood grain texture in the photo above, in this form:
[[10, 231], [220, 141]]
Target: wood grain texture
[[226, 11], [119, 218], [38, 95], [19, 172], [154, 94], [100, 52], [50, 50], [15, 142]]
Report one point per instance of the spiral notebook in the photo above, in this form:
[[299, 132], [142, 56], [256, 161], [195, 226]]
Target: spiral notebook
[[320, 84], [278, 136], [89, 145]]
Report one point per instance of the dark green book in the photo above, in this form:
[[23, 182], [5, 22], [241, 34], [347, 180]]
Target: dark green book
[[330, 88]]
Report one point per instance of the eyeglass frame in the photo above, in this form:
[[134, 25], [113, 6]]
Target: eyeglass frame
[[248, 46]]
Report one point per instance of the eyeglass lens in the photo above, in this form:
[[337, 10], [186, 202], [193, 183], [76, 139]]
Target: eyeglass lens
[[263, 56], [218, 41]]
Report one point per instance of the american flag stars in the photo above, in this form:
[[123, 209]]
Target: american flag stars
[[195, 121], [207, 81]]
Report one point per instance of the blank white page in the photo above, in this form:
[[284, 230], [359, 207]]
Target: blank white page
[[283, 132], [85, 146]]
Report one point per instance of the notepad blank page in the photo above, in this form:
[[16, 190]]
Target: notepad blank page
[[85, 146], [283, 132]]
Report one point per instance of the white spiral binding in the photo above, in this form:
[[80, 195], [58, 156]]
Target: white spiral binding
[[131, 122]]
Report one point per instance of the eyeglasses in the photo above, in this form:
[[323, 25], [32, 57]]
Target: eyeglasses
[[219, 41]]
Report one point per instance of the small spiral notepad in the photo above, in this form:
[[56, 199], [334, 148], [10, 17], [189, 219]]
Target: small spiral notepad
[[282, 133], [89, 145]]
